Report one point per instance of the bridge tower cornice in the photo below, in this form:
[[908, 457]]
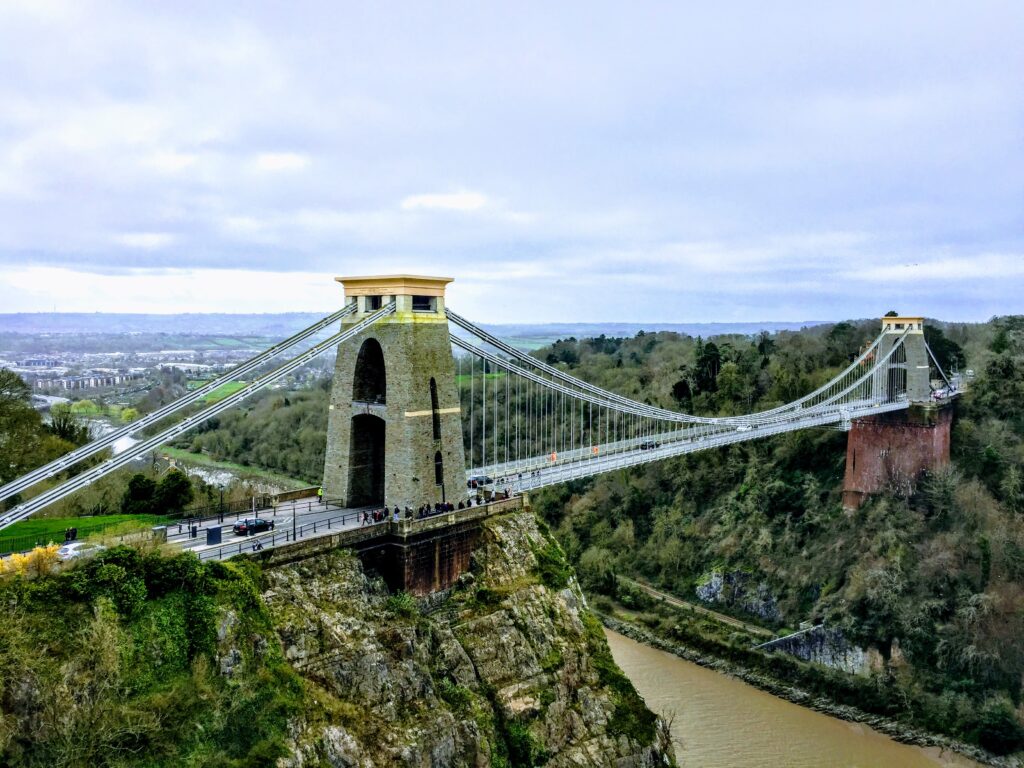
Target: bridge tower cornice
[[418, 298], [901, 325]]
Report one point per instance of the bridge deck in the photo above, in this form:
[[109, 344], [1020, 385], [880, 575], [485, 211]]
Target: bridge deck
[[538, 471], [314, 526]]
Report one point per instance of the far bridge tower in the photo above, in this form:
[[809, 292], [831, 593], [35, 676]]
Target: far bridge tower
[[394, 430], [891, 450]]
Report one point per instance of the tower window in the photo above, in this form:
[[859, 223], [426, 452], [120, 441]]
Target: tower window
[[438, 469], [434, 409], [373, 303], [424, 303]]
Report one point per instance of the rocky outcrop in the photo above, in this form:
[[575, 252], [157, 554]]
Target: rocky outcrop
[[506, 668], [826, 646], [735, 589]]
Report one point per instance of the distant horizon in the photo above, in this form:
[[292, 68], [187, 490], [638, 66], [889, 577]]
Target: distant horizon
[[327, 311]]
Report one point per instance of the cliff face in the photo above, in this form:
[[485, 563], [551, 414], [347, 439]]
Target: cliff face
[[506, 668], [142, 657]]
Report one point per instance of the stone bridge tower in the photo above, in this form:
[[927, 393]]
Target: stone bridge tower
[[890, 451], [909, 369], [394, 430]]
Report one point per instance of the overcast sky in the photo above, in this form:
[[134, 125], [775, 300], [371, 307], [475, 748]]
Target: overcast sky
[[563, 161]]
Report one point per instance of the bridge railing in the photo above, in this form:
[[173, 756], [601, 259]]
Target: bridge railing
[[285, 535], [264, 507], [353, 520]]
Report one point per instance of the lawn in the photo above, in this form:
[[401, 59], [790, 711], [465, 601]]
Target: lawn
[[223, 391], [24, 534]]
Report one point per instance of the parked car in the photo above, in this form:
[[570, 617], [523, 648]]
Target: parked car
[[252, 525], [75, 549]]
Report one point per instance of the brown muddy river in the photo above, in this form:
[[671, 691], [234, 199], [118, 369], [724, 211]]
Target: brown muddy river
[[721, 722]]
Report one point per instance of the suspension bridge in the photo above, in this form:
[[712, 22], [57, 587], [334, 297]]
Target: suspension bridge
[[428, 407]]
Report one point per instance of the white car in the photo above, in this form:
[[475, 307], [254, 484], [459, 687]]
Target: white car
[[74, 549]]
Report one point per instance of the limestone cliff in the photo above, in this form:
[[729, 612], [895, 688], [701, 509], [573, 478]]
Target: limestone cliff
[[506, 668]]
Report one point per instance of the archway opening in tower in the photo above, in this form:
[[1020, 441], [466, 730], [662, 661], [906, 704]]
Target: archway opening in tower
[[369, 383], [366, 461]]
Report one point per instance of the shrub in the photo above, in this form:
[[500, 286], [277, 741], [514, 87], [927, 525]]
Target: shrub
[[998, 729], [551, 566], [39, 562], [401, 604]]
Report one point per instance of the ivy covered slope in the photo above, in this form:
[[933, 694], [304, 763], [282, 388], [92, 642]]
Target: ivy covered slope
[[143, 659], [120, 661], [934, 581]]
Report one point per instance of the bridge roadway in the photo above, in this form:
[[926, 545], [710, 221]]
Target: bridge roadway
[[307, 518], [537, 472], [298, 520]]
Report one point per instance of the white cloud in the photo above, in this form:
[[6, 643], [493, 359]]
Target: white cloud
[[145, 240], [446, 201], [168, 290], [273, 162], [170, 162], [990, 266]]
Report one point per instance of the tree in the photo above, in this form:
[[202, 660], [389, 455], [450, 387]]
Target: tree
[[892, 313], [947, 352], [66, 425], [173, 493], [139, 496], [765, 346], [129, 415], [682, 394], [21, 428], [842, 342], [731, 384], [707, 363], [13, 390]]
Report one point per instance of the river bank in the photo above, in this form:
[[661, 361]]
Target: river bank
[[894, 729]]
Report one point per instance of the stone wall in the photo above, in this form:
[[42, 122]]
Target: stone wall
[[891, 451], [416, 556]]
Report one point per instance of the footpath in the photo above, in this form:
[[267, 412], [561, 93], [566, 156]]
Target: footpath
[[675, 602]]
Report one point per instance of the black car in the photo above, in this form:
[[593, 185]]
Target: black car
[[648, 445], [252, 525]]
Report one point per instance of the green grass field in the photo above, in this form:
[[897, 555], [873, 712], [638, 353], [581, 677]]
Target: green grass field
[[223, 391], [465, 378], [45, 529]]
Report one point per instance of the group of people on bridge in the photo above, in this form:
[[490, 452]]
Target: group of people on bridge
[[427, 510]]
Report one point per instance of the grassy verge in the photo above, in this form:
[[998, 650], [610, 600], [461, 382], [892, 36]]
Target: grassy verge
[[47, 529], [202, 460]]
